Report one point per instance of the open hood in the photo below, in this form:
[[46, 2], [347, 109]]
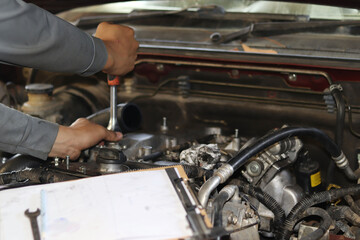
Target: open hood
[[61, 5], [343, 3]]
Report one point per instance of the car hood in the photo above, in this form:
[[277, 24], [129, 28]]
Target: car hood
[[344, 3]]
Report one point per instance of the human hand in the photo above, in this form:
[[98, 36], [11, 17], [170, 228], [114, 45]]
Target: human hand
[[121, 47], [81, 135]]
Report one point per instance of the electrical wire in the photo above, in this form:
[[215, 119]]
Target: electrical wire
[[156, 90]]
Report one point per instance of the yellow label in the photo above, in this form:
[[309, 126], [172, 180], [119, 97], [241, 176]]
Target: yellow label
[[315, 179]]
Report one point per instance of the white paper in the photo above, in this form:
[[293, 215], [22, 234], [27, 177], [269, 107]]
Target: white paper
[[135, 205]]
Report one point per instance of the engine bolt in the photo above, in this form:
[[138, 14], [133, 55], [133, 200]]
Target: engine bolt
[[82, 169], [164, 128], [236, 133], [232, 219], [254, 168], [56, 161]]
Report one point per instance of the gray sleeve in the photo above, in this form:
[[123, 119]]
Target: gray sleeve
[[21, 133], [33, 37]]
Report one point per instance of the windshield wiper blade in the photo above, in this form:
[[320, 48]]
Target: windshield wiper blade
[[92, 21], [275, 28]]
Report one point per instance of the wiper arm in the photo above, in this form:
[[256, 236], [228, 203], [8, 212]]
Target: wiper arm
[[92, 21], [274, 28]]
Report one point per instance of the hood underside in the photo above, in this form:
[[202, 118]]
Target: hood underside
[[343, 3], [57, 6]]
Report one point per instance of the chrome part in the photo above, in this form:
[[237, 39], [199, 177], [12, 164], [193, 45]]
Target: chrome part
[[224, 172], [207, 188], [67, 161], [341, 161], [113, 121]]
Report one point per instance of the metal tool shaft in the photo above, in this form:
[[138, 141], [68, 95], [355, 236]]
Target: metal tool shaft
[[113, 82], [113, 122]]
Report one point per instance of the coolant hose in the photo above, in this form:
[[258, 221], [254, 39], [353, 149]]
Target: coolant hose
[[265, 199], [324, 226], [317, 198], [266, 141], [340, 124], [340, 116]]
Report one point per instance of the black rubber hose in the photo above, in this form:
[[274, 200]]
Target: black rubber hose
[[128, 114], [340, 125], [317, 198], [324, 226], [218, 204], [340, 116], [265, 199], [20, 162], [152, 156], [266, 141]]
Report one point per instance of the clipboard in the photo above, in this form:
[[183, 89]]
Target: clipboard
[[153, 203]]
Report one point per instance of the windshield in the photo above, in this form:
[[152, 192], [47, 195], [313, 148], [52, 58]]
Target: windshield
[[236, 6]]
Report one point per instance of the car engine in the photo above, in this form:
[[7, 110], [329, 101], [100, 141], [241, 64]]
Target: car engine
[[256, 141]]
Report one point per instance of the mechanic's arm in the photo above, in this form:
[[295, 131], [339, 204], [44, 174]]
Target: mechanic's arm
[[35, 38], [21, 133], [82, 134]]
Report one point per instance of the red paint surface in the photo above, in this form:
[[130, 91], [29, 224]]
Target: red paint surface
[[313, 82]]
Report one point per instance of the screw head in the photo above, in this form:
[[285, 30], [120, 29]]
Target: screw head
[[292, 77]]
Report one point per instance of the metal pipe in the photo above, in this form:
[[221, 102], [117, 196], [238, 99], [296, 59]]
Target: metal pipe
[[207, 188]]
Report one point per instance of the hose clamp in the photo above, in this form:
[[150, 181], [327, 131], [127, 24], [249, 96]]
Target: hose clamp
[[224, 172], [341, 161], [336, 86]]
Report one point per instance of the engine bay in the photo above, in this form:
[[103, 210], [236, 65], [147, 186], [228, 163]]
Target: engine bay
[[267, 149]]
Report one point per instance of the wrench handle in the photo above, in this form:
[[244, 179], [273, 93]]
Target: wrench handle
[[113, 80]]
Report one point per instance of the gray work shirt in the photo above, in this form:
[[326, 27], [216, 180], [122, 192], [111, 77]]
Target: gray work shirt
[[33, 37]]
